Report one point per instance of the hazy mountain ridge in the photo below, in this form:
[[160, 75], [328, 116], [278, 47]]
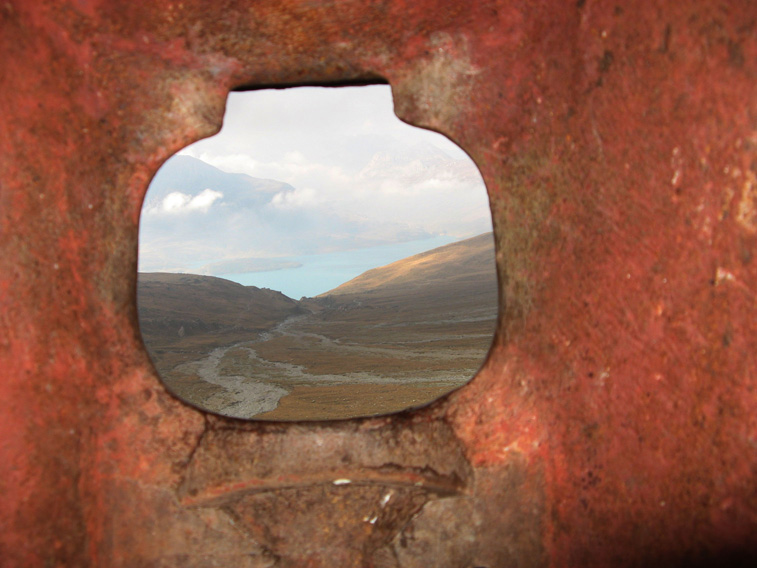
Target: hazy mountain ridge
[[189, 175], [199, 218], [414, 162]]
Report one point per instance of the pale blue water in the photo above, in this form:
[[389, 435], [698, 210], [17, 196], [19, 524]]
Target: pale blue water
[[321, 272]]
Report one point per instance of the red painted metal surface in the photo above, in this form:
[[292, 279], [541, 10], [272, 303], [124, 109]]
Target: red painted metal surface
[[614, 422]]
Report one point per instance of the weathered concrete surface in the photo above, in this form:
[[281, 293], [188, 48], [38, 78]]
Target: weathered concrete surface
[[614, 422]]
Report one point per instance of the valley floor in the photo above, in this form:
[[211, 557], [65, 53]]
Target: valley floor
[[395, 337], [324, 365]]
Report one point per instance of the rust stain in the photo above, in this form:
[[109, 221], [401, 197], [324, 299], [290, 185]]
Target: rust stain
[[613, 422]]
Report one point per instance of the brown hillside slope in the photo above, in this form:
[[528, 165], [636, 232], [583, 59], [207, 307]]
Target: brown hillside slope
[[455, 282], [396, 336], [470, 260], [407, 332], [183, 315]]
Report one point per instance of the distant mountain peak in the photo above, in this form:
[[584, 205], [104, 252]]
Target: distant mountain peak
[[414, 162]]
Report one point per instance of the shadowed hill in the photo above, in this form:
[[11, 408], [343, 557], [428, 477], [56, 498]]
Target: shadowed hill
[[191, 313], [201, 304]]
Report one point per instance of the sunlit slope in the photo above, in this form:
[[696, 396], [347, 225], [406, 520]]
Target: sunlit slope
[[432, 312], [457, 277], [467, 261], [402, 335]]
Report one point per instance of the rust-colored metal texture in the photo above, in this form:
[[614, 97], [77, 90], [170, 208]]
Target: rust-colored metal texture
[[615, 420]]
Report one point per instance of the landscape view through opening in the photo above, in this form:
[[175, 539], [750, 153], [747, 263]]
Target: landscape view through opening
[[317, 259]]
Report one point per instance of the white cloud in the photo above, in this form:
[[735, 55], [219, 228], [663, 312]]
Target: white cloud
[[204, 200], [305, 197], [174, 202], [177, 202]]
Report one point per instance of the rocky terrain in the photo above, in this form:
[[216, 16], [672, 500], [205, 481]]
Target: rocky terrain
[[394, 337]]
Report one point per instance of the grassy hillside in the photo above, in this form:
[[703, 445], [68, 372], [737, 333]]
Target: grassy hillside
[[455, 284], [394, 337], [183, 315], [403, 334], [464, 263]]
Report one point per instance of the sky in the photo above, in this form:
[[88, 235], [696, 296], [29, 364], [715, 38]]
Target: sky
[[286, 133], [349, 176]]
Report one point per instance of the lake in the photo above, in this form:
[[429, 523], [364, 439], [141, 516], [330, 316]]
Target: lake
[[320, 273]]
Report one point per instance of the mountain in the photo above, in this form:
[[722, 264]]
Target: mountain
[[204, 304], [185, 315], [416, 163], [463, 263], [394, 337], [195, 214], [455, 282], [191, 176]]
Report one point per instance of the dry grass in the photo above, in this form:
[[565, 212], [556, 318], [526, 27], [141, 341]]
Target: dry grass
[[398, 337], [347, 401]]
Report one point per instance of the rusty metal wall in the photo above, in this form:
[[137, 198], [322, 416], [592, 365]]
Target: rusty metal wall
[[615, 420]]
